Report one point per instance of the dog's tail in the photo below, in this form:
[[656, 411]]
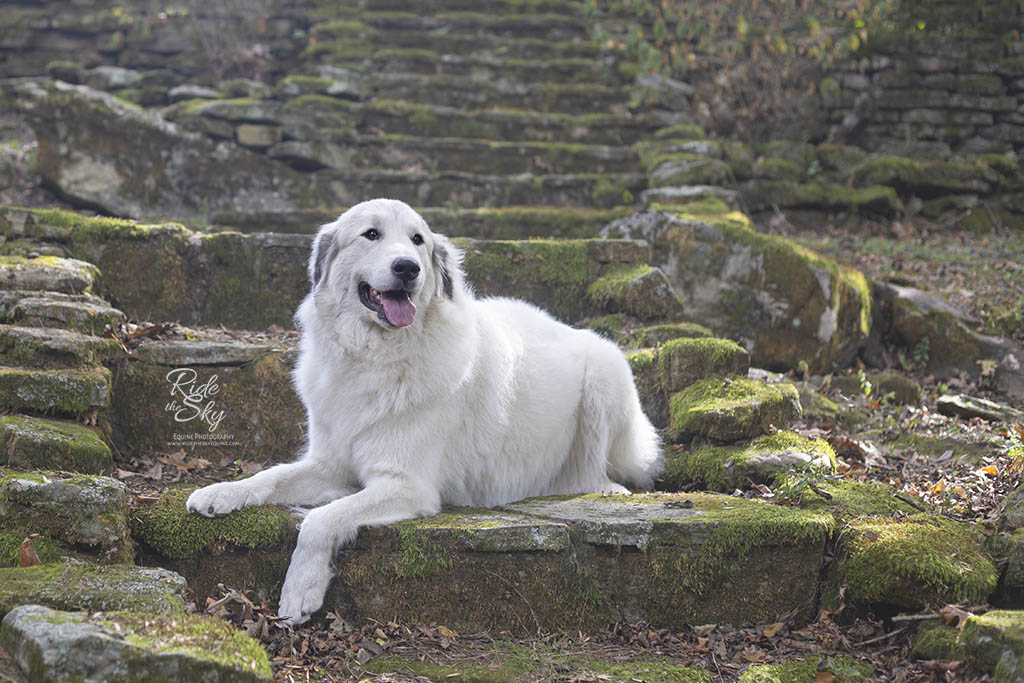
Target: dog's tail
[[614, 425], [635, 456]]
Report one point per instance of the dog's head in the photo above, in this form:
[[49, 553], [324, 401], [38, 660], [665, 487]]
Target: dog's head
[[380, 263]]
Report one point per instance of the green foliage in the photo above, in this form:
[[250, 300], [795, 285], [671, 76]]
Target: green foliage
[[764, 51], [793, 484]]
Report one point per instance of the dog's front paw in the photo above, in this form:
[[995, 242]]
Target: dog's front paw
[[304, 589], [219, 499]]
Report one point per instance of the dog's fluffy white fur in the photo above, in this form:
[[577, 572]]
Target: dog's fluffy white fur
[[419, 395]]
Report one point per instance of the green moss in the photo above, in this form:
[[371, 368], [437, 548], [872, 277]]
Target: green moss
[[644, 669], [681, 362], [47, 549], [656, 335], [731, 409], [856, 499], [81, 585], [939, 642], [64, 392], [38, 443], [505, 671], [320, 102], [995, 641], [174, 532], [843, 669], [305, 84], [917, 562], [682, 131], [740, 526], [724, 468], [611, 326], [615, 283]]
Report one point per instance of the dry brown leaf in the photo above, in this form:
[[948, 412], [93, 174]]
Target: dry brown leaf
[[953, 613], [27, 556], [771, 629]]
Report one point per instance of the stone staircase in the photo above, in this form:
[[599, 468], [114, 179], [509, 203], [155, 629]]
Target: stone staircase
[[531, 136]]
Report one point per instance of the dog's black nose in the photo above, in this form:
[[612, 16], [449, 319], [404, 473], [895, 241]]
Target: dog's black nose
[[405, 269]]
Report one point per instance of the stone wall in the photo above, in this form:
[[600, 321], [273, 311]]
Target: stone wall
[[948, 78]]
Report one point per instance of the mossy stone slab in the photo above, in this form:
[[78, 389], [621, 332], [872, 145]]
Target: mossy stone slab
[[101, 588], [86, 314], [48, 347], [726, 468], [62, 392], [249, 547], [48, 444], [87, 512], [681, 362], [916, 562], [129, 646], [639, 291], [995, 641], [216, 403], [730, 409], [47, 273]]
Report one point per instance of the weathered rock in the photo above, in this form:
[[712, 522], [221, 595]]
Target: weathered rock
[[250, 547], [962, 405], [46, 444], [177, 353], [682, 170], [727, 409], [937, 641], [682, 362], [943, 336], [49, 273], [689, 194], [62, 392], [640, 291], [87, 512], [83, 313], [224, 399], [726, 468], [916, 562], [786, 305], [681, 542], [100, 588], [995, 643], [124, 646], [45, 347], [100, 151]]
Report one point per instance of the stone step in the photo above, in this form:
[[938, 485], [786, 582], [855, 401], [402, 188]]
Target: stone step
[[321, 118], [80, 312], [69, 392], [99, 588], [81, 513], [501, 223], [43, 347], [346, 33], [546, 26], [497, 7], [590, 190], [52, 645], [46, 273], [533, 69], [36, 443], [567, 98], [557, 563], [731, 409], [457, 154]]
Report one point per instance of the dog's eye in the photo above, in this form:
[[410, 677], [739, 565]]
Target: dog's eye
[[417, 239], [372, 234]]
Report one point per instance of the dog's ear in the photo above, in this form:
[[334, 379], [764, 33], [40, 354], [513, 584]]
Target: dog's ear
[[324, 247], [447, 263]]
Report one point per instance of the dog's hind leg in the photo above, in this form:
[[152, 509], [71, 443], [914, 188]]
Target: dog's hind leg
[[386, 498], [303, 483]]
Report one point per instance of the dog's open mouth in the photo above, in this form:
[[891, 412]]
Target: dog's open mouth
[[393, 306]]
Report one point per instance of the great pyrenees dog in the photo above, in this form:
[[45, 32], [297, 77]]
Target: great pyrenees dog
[[420, 395]]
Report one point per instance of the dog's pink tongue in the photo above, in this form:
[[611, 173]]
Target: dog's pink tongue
[[397, 307]]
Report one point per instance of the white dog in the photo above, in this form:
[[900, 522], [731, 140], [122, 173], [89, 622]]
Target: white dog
[[419, 395]]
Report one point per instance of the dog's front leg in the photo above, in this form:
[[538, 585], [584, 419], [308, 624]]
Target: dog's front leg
[[305, 482], [386, 499]]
